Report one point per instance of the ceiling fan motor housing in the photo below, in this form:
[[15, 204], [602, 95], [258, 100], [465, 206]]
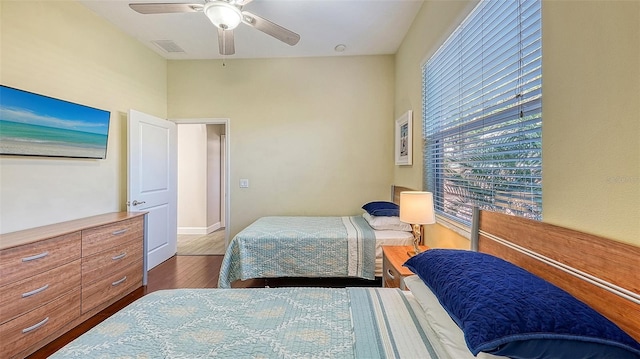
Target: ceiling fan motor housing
[[223, 15]]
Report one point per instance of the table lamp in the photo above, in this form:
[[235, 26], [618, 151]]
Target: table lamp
[[416, 208]]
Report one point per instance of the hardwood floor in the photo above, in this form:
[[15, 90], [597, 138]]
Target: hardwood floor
[[185, 272], [192, 272]]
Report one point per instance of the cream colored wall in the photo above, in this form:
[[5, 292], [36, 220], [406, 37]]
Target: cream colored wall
[[591, 117], [312, 135], [63, 50], [591, 131], [192, 177]]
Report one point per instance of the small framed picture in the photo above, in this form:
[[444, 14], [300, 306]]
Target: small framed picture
[[404, 136]]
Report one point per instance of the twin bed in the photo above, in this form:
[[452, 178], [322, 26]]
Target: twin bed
[[321, 247], [445, 315]]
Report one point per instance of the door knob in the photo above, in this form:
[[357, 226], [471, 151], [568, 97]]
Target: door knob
[[135, 202]]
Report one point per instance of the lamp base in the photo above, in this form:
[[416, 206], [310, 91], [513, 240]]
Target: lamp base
[[417, 234], [413, 252]]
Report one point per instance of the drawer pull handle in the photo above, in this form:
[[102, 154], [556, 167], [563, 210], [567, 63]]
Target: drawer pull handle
[[35, 291], [35, 326], [119, 232], [390, 274], [119, 256], [119, 281], [37, 256]]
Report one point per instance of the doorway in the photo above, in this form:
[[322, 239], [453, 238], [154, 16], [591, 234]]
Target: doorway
[[203, 201]]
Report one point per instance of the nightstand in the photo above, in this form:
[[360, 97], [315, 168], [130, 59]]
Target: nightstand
[[393, 273]]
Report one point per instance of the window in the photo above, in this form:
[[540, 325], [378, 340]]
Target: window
[[482, 106]]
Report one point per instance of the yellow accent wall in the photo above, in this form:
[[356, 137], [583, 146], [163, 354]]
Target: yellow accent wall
[[591, 112], [312, 135], [63, 50]]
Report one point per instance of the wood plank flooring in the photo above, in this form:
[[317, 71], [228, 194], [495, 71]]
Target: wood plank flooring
[[192, 272]]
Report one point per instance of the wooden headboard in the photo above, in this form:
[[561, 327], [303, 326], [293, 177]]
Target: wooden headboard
[[395, 193], [600, 272]]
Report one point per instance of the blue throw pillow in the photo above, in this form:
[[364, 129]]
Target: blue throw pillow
[[382, 209], [505, 310]]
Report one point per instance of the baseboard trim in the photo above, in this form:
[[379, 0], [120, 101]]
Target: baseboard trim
[[214, 227], [192, 230], [199, 230]]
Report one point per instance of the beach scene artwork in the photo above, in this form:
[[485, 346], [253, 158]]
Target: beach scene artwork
[[37, 125]]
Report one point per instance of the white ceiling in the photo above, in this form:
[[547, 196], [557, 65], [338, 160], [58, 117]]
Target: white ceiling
[[366, 27]]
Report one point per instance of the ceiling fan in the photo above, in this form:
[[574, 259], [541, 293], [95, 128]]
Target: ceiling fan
[[226, 15]]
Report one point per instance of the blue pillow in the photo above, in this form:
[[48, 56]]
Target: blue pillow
[[505, 310], [382, 209]]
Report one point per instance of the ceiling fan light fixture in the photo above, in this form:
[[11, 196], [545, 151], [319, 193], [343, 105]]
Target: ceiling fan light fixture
[[223, 15]]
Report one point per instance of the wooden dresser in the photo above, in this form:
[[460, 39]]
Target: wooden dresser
[[54, 277]]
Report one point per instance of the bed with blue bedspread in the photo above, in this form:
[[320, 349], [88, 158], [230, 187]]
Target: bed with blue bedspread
[[301, 247], [260, 323]]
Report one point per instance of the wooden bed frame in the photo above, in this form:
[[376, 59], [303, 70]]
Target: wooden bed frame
[[603, 273], [395, 193]]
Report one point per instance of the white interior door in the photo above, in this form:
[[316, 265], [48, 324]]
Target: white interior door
[[152, 177]]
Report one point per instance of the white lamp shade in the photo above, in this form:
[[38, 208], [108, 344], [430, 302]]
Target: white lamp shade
[[223, 15], [417, 207]]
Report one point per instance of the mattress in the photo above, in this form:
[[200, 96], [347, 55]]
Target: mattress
[[389, 238], [265, 322], [307, 247]]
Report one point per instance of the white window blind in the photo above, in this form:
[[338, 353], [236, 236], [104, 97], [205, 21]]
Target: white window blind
[[482, 106]]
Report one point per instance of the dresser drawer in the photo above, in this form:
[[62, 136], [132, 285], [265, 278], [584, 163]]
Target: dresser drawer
[[97, 239], [25, 295], [27, 260], [112, 286], [96, 266], [24, 331]]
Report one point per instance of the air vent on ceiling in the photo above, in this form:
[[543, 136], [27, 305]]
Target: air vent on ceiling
[[168, 46]]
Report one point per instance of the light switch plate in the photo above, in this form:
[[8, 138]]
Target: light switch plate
[[244, 183]]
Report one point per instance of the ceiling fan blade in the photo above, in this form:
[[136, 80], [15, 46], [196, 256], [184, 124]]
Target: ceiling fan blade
[[240, 2], [160, 8], [225, 42], [270, 28]]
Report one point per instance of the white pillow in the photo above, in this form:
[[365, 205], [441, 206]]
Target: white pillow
[[448, 332], [386, 223]]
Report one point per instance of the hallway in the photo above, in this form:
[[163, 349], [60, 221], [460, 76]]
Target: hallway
[[196, 244]]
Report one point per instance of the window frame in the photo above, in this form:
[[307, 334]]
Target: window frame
[[510, 111]]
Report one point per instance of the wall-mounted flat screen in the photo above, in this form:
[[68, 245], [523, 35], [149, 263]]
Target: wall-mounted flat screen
[[37, 125]]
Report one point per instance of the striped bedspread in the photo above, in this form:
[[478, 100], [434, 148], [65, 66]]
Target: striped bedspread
[[259, 323], [300, 247]]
